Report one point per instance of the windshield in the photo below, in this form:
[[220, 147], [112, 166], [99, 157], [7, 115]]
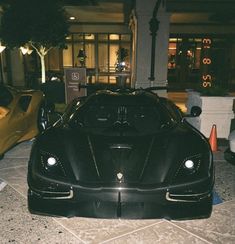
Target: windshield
[[120, 119]]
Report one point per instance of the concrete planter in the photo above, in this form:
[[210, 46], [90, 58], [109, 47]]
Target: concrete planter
[[215, 110]]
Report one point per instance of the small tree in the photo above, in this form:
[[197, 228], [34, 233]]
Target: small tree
[[39, 24]]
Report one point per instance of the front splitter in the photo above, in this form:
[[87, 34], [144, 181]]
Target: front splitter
[[97, 208]]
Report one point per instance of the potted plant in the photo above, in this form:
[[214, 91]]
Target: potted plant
[[121, 65], [122, 54]]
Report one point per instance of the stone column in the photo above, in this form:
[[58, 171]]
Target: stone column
[[143, 14], [17, 68]]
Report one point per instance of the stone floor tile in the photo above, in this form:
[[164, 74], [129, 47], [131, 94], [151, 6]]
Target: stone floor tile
[[219, 228], [16, 177], [97, 230], [225, 180], [219, 155], [162, 233], [13, 162], [21, 150], [17, 225]]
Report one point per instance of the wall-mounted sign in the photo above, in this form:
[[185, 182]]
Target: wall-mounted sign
[[73, 78], [206, 62]]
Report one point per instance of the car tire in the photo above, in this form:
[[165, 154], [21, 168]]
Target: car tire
[[42, 118]]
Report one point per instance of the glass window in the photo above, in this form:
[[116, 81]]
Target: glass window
[[172, 55], [90, 55], [82, 49], [103, 57], [78, 37], [89, 37], [68, 56], [53, 59], [125, 37], [103, 79], [113, 49], [24, 102], [112, 79], [184, 51], [103, 37], [78, 48], [197, 56], [114, 37], [125, 46]]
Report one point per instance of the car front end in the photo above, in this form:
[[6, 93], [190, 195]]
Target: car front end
[[71, 181]]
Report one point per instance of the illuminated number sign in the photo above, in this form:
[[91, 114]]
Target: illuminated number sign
[[206, 62]]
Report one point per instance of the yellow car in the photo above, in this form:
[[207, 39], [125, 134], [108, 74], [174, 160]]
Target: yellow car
[[22, 116]]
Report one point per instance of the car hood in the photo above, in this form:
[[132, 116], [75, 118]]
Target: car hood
[[149, 159], [110, 156]]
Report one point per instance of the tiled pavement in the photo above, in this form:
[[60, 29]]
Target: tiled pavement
[[17, 225]]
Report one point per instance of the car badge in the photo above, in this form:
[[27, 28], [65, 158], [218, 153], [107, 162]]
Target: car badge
[[119, 176]]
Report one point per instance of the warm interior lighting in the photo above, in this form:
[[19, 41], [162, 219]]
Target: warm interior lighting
[[114, 37], [29, 51], [2, 48], [89, 37], [72, 18], [26, 50]]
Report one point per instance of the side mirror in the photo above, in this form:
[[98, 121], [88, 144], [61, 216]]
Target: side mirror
[[195, 111]]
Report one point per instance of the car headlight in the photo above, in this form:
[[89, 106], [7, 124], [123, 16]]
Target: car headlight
[[190, 167], [51, 164], [189, 164], [51, 161]]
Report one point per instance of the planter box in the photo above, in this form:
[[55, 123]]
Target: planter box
[[215, 110]]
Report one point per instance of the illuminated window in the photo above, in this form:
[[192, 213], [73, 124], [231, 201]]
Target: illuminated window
[[97, 52], [103, 57], [172, 55], [180, 52], [53, 60], [68, 56]]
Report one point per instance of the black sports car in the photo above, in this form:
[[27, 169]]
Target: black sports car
[[124, 154]]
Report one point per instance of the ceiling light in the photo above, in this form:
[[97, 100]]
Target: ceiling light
[[29, 51], [72, 18], [24, 50], [2, 48]]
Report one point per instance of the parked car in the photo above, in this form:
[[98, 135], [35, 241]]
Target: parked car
[[229, 153], [22, 116], [123, 154]]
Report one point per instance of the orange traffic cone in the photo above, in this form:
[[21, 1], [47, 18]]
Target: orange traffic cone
[[213, 139]]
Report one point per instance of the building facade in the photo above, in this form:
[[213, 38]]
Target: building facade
[[194, 45]]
